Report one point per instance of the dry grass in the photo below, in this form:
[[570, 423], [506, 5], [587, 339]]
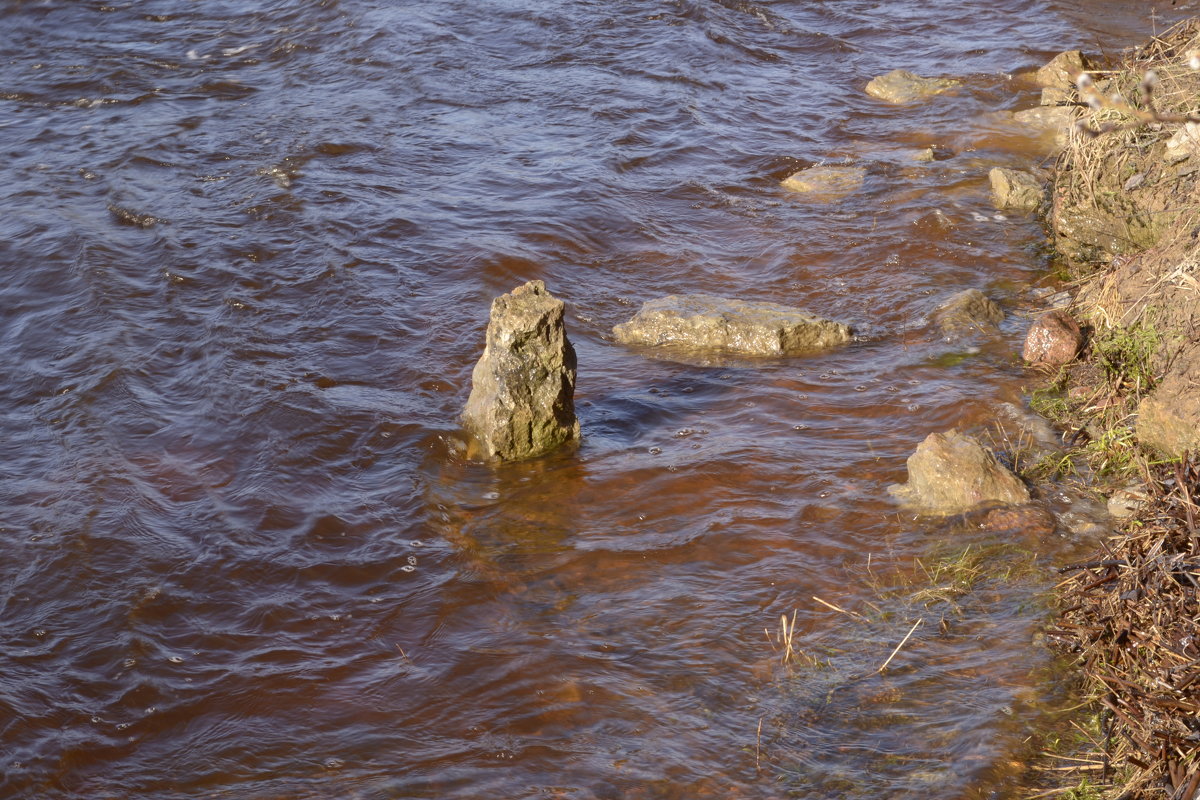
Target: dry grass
[[1134, 623], [1115, 192], [1125, 201]]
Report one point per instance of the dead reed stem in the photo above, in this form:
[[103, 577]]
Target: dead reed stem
[[902, 641]]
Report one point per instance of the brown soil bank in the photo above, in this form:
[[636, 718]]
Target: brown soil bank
[[1125, 216]]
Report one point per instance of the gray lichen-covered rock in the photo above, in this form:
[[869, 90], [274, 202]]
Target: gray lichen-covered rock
[[824, 184], [951, 473], [969, 311], [522, 401], [1016, 190], [901, 86], [704, 322]]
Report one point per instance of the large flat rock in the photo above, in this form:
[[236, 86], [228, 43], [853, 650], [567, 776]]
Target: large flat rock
[[724, 325], [825, 184], [901, 86]]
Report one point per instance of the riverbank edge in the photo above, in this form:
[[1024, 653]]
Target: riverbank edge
[[1124, 217]]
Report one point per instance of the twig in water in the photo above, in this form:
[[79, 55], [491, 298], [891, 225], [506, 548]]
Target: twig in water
[[854, 614], [757, 745], [902, 641]]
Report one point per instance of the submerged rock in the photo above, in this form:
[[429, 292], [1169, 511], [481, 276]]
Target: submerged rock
[[1014, 189], [1025, 435], [1062, 70], [1081, 524], [901, 86], [951, 473], [1030, 521], [1047, 120], [704, 322], [969, 311], [1054, 339], [1124, 503], [824, 184], [522, 401]]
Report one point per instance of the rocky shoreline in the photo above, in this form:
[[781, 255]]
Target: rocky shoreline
[[1118, 373], [1123, 219]]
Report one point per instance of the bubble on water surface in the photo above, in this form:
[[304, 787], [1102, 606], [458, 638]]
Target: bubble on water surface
[[407, 568]]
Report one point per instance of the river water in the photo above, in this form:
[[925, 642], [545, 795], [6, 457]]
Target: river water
[[249, 252]]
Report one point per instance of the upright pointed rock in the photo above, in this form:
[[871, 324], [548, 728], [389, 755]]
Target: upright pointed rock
[[522, 401]]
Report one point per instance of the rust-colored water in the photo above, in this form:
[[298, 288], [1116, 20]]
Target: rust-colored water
[[249, 250]]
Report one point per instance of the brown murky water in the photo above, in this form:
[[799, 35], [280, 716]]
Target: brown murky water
[[249, 250]]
